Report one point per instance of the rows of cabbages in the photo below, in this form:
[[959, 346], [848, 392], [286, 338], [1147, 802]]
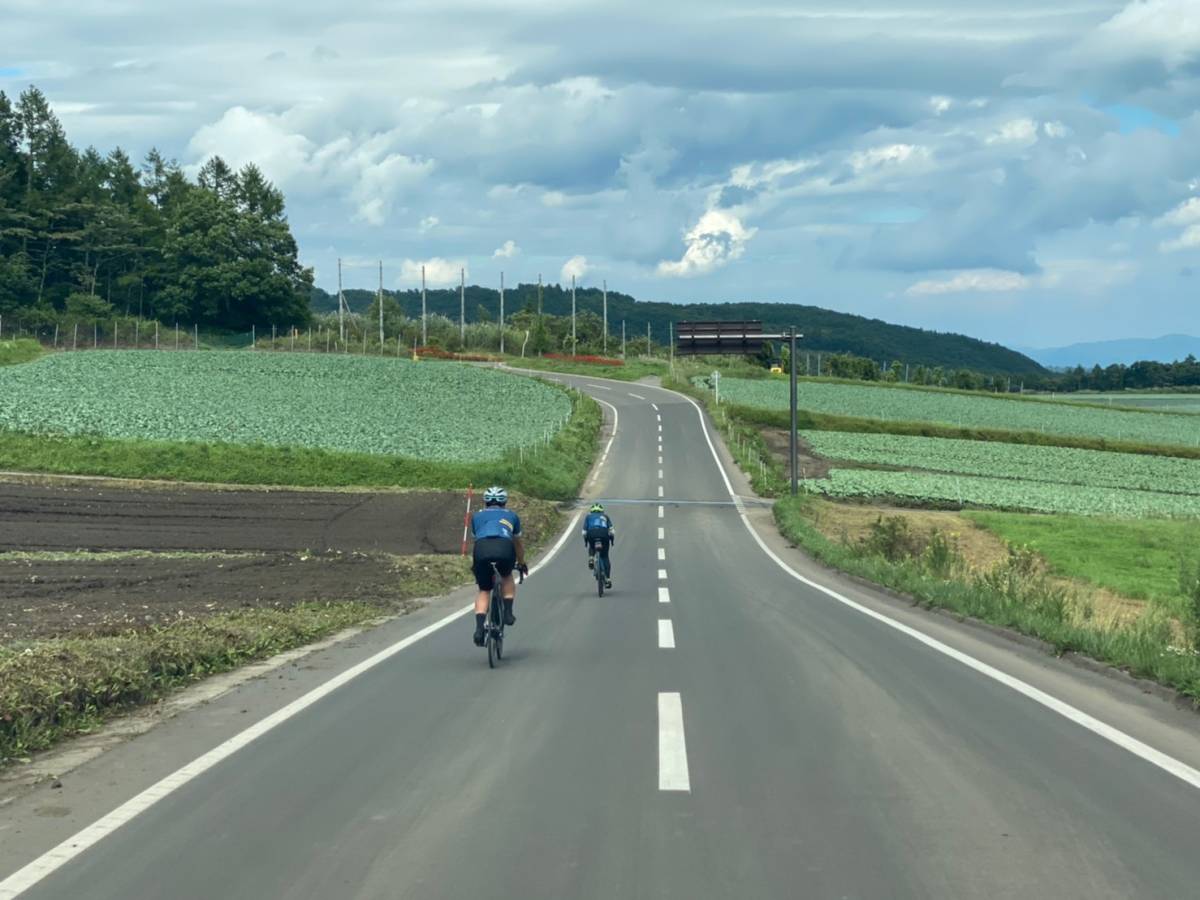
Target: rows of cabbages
[[384, 406], [1063, 465], [898, 404], [1002, 493]]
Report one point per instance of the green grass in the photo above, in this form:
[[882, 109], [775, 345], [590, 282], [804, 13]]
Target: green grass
[[554, 472], [1010, 597], [1135, 558], [19, 350]]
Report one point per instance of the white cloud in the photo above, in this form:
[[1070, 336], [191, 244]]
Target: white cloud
[[369, 170], [1186, 213], [1015, 131], [1166, 29], [1189, 240], [1055, 129], [940, 105], [716, 239], [972, 280], [438, 271], [892, 154], [576, 266], [553, 198], [507, 250], [428, 224]]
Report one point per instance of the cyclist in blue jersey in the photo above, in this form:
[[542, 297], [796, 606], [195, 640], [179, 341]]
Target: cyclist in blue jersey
[[597, 526], [497, 533]]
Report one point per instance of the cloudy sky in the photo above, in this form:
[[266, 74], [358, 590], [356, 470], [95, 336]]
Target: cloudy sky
[[1026, 171]]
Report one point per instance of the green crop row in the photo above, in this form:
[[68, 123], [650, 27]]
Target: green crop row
[[1062, 465], [945, 408], [931, 488], [379, 406]]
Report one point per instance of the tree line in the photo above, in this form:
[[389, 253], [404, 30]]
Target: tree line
[[92, 237]]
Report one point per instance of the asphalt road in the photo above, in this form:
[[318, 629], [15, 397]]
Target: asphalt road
[[767, 741]]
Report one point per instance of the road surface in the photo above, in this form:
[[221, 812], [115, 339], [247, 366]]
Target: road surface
[[712, 728]]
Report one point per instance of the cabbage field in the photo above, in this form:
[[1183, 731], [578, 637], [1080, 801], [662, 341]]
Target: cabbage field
[[1059, 465], [438, 411], [891, 404], [1003, 493]]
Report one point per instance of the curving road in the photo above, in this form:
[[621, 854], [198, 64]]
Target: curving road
[[716, 727]]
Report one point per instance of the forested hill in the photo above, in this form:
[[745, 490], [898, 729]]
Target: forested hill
[[825, 331]]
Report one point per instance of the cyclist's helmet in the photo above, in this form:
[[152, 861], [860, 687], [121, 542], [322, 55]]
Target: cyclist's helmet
[[495, 496], [597, 508]]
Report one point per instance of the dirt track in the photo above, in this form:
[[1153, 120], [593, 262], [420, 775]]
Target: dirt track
[[217, 550]]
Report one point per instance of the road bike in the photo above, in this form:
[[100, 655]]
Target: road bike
[[493, 623], [599, 567]]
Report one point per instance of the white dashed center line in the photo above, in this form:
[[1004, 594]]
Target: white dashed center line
[[638, 396], [660, 512], [662, 574], [662, 533], [672, 748], [664, 595], [660, 492], [660, 474], [662, 553], [666, 635], [654, 406]]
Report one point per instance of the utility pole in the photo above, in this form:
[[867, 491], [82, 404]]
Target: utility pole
[[341, 304], [501, 313], [622, 339], [647, 338], [462, 307], [381, 306], [424, 319], [540, 309], [671, 343], [574, 345], [606, 317], [792, 406]]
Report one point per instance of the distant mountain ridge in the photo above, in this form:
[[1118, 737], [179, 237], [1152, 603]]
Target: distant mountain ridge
[[824, 330], [1165, 349]]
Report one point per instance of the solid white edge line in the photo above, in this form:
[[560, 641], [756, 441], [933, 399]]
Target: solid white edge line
[[30, 874], [636, 396], [666, 634], [612, 437], [662, 574], [1128, 742], [672, 746], [664, 595]]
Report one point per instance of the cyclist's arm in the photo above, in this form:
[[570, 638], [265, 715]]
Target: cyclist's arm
[[519, 544]]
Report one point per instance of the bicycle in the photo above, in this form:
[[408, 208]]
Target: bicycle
[[493, 624], [599, 567]]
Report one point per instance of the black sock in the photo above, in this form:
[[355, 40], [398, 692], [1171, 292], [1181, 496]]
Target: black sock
[[508, 602], [479, 617]]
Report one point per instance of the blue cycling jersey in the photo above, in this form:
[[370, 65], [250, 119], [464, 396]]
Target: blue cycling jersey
[[495, 522], [596, 522]]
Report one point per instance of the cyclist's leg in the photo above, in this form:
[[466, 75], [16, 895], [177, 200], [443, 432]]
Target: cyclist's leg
[[482, 565], [508, 585]]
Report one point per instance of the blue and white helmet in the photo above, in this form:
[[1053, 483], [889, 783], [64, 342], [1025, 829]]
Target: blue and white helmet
[[495, 496]]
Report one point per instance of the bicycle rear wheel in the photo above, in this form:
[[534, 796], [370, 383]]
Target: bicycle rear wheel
[[495, 625], [601, 575]]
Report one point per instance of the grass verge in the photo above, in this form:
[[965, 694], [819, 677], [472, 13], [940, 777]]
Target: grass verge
[[554, 471], [55, 688], [1136, 558], [1013, 594], [19, 350]]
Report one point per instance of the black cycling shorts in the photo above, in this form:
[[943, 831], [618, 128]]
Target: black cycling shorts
[[496, 550]]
